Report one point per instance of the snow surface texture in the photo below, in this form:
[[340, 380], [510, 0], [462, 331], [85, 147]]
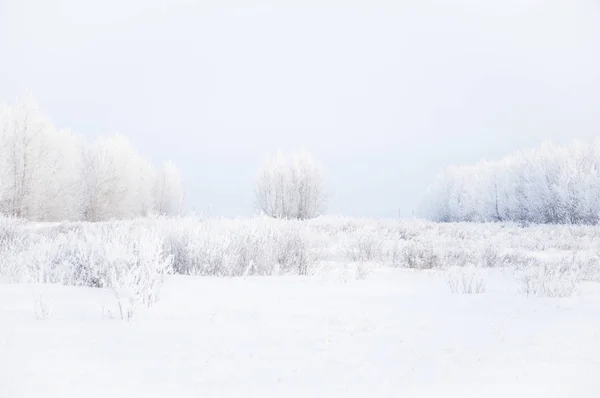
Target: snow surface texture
[[487, 310]]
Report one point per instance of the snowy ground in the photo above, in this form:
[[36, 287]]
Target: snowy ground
[[399, 333]]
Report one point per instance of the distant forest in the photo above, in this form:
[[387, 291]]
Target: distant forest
[[51, 174], [551, 184]]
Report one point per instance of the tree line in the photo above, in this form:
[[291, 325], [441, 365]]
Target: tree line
[[52, 174], [550, 184]]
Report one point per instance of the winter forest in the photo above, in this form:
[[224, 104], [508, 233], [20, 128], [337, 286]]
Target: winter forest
[[53, 174], [547, 185]]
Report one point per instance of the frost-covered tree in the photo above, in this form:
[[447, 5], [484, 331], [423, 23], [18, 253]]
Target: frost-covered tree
[[48, 174], [58, 194], [549, 184], [39, 166], [21, 140], [291, 187], [118, 181]]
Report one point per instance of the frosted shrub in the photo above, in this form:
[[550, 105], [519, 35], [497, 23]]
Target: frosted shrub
[[196, 248], [365, 246], [12, 236], [363, 270], [18, 258], [465, 281], [557, 279], [589, 267], [211, 248], [260, 246], [519, 260], [461, 257], [251, 252], [294, 252], [136, 274], [122, 256], [79, 257], [87, 254], [16, 264], [420, 255], [490, 258], [11, 232]]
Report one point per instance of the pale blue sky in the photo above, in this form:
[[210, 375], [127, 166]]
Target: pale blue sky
[[386, 93]]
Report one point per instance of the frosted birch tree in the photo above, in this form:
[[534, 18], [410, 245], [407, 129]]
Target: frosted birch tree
[[291, 187], [50, 174], [550, 184]]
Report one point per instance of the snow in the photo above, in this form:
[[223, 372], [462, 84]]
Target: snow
[[398, 333]]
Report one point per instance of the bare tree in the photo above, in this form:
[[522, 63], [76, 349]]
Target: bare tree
[[291, 188]]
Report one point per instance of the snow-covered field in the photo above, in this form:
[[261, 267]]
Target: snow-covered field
[[399, 333], [359, 324]]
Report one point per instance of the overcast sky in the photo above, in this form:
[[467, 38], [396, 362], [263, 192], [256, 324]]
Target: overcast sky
[[385, 93]]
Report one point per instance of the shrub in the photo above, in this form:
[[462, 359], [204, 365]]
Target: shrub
[[557, 279], [462, 257], [124, 257], [363, 270], [136, 274], [366, 245], [465, 281], [11, 232], [490, 258], [420, 255], [235, 248], [294, 252]]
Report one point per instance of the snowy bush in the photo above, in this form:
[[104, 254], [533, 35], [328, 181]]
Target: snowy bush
[[461, 257], [260, 246], [363, 270], [122, 256], [295, 253], [366, 245], [16, 244], [105, 253], [465, 281], [192, 246], [518, 260], [589, 266], [11, 231], [136, 274], [490, 258], [550, 279], [421, 255]]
